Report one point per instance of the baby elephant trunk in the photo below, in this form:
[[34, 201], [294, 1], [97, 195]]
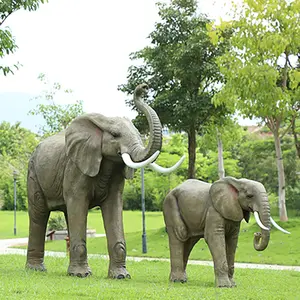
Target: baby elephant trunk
[[261, 239]]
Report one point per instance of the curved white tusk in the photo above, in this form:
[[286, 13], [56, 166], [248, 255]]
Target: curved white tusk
[[136, 165], [163, 170], [258, 221], [278, 227]]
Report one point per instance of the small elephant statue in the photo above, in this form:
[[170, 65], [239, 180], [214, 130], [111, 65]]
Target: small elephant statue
[[196, 209], [83, 167]]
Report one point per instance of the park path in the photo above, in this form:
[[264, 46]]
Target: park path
[[5, 248]]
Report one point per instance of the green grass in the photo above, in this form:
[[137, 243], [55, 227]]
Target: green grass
[[149, 281], [132, 222], [283, 249], [7, 224]]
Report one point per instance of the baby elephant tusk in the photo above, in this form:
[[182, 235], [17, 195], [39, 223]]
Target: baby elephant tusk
[[278, 227], [136, 165], [163, 170], [258, 221]]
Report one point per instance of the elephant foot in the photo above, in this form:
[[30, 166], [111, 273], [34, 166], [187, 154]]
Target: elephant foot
[[223, 282], [233, 284], [36, 266], [176, 277], [118, 273], [79, 270]]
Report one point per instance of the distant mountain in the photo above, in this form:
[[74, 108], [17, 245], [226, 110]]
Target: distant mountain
[[14, 107]]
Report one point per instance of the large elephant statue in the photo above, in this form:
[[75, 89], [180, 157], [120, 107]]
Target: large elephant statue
[[83, 167], [196, 209]]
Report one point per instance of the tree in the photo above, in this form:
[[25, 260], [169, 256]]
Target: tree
[[218, 151], [157, 185], [57, 116], [16, 146], [181, 70], [221, 169], [294, 119], [261, 80], [16, 142], [256, 160], [295, 129], [7, 41], [217, 135]]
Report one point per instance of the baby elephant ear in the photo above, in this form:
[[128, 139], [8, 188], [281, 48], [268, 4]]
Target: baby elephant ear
[[84, 144], [224, 196]]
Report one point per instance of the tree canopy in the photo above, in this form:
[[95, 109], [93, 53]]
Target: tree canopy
[[180, 68], [262, 77], [16, 145], [56, 116], [7, 41]]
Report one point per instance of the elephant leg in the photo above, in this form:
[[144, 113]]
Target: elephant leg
[[38, 219], [231, 244], [215, 239], [188, 247], [177, 248], [67, 222], [112, 215], [77, 208]]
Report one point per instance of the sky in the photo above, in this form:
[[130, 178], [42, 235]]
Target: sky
[[84, 45]]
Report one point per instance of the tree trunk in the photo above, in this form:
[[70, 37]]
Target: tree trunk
[[192, 152], [221, 169], [281, 178], [297, 142]]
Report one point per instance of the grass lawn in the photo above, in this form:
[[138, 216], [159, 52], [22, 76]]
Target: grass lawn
[[7, 224], [132, 222], [149, 281], [283, 249]]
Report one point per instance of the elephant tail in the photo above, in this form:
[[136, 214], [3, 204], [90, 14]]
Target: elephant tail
[[173, 219]]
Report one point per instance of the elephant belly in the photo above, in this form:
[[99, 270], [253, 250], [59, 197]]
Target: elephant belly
[[195, 225], [56, 204]]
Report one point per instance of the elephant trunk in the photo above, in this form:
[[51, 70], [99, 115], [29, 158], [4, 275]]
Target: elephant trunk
[[155, 138], [261, 239]]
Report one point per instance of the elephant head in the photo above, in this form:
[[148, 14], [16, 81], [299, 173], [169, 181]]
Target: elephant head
[[92, 136], [235, 198]]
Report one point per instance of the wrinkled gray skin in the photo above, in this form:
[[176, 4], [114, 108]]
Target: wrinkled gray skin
[[79, 169], [197, 209]]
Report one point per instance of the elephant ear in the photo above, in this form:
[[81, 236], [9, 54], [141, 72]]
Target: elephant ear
[[84, 143], [224, 196], [246, 215]]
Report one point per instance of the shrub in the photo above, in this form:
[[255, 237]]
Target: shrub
[[293, 196], [57, 223]]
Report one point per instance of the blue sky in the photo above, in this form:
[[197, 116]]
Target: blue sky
[[84, 46], [15, 107]]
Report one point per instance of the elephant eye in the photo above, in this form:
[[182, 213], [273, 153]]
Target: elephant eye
[[249, 196], [115, 134]]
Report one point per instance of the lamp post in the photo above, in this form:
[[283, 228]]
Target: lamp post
[[144, 237], [159, 169], [15, 175]]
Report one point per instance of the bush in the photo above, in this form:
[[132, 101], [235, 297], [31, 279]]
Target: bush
[[156, 185], [57, 223], [273, 200], [293, 196], [8, 195], [156, 188]]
